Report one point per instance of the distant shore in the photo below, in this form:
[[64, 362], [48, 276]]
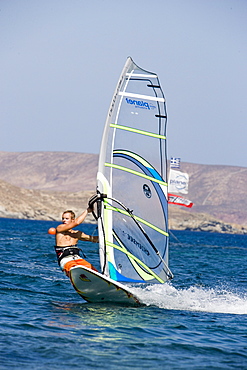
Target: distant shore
[[41, 185], [19, 203]]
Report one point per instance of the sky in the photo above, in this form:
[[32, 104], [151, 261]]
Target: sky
[[60, 61]]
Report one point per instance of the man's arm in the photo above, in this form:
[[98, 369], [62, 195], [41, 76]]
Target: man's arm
[[89, 238], [77, 221]]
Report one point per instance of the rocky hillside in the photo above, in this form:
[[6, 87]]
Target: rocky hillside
[[180, 219], [54, 171], [16, 202], [41, 185], [219, 191]]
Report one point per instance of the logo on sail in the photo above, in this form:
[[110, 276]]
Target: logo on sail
[[178, 182], [140, 104], [136, 243], [147, 191]]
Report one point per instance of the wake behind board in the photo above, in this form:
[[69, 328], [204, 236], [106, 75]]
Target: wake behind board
[[95, 287]]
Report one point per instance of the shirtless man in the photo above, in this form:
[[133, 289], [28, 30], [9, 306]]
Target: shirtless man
[[65, 236], [68, 253]]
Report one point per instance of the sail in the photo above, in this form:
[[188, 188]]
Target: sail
[[132, 173], [178, 200], [178, 182]]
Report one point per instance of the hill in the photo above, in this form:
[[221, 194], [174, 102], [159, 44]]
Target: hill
[[40, 185], [54, 171], [16, 202], [219, 191]]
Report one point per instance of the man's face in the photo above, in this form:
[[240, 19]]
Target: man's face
[[66, 218]]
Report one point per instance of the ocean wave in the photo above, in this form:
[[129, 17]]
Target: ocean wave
[[194, 298]]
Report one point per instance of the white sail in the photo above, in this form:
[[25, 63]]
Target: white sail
[[133, 220], [178, 182]]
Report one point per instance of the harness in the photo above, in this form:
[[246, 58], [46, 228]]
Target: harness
[[62, 252]]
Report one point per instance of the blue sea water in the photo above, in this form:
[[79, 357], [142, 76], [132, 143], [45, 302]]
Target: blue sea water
[[198, 321]]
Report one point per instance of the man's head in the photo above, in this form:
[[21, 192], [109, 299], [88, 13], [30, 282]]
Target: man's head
[[67, 216]]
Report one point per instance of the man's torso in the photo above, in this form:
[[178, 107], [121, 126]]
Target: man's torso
[[67, 238]]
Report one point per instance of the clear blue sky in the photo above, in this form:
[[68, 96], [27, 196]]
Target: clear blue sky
[[61, 59]]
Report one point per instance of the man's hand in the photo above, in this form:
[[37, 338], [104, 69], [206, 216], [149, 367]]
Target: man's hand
[[92, 200]]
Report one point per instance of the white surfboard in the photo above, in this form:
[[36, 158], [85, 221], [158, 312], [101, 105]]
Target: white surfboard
[[97, 288]]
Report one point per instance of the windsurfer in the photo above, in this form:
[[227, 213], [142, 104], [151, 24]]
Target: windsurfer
[[68, 253]]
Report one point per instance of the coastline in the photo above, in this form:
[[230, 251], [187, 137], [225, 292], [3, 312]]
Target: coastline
[[29, 204], [41, 185]]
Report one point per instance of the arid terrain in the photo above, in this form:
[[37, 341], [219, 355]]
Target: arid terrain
[[40, 185]]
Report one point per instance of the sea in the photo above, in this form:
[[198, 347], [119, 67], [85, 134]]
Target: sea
[[196, 321]]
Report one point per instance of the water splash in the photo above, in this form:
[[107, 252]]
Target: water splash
[[193, 298]]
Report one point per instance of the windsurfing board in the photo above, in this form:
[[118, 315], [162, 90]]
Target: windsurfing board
[[94, 287]]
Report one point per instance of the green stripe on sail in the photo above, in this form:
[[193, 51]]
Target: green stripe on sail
[[144, 274], [126, 128], [138, 219], [135, 173], [130, 255]]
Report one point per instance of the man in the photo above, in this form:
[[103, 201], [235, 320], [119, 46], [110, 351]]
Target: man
[[68, 253]]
